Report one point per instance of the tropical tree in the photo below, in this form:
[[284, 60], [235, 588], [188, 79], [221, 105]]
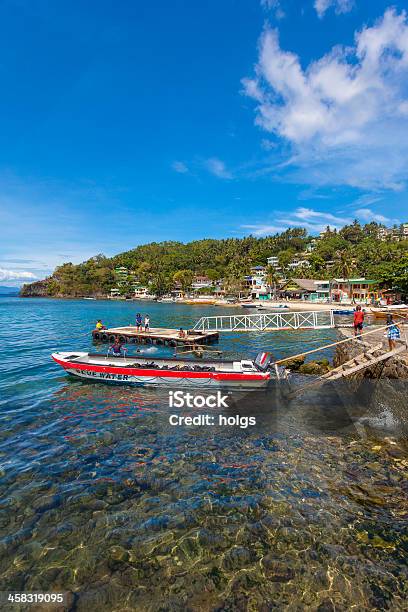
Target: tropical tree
[[233, 285], [234, 280], [285, 258], [317, 262], [352, 233], [160, 284], [343, 264], [272, 278], [185, 278], [213, 274], [144, 272]]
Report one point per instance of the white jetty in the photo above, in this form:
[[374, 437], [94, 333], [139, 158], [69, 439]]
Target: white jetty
[[274, 321]]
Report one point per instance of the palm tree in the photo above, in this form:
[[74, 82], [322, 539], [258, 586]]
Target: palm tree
[[236, 272], [185, 278], [272, 278], [344, 265], [233, 285]]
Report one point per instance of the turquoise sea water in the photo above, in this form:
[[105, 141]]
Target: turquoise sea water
[[102, 498]]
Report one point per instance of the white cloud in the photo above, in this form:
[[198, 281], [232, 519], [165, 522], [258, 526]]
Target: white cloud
[[366, 199], [267, 144], [340, 6], [263, 229], [366, 214], [346, 115], [309, 213], [8, 275], [217, 167], [179, 166], [314, 221], [273, 5]]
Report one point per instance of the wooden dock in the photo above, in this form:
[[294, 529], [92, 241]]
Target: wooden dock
[[155, 335]]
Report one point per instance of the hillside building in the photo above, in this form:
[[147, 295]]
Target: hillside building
[[354, 289], [305, 289]]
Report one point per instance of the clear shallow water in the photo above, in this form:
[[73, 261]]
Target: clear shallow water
[[102, 498]]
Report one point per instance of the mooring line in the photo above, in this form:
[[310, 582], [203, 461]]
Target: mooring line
[[320, 348]]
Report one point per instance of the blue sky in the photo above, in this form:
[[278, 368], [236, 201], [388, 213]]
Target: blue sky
[[124, 123]]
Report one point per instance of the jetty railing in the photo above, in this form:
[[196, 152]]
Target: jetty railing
[[273, 321]]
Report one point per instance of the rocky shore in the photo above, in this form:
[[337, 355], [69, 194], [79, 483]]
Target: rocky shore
[[395, 367], [37, 289]]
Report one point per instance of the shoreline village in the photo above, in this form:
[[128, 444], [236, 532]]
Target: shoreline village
[[290, 282], [357, 264]]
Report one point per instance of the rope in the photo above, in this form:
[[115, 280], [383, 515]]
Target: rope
[[321, 348], [321, 379]]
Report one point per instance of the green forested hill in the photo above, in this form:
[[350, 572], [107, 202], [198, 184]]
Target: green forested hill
[[353, 251]]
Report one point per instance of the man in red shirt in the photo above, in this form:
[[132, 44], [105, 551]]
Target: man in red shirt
[[358, 321]]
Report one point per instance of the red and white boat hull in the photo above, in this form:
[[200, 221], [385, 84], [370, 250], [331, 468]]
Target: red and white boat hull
[[122, 370]]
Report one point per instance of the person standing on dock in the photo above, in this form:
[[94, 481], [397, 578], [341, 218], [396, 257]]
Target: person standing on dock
[[358, 321], [139, 322], [147, 323], [393, 332]]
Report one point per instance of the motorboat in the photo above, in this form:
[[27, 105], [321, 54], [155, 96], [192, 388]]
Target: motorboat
[[200, 300], [168, 372], [381, 312], [227, 302], [273, 306], [345, 311], [262, 305]]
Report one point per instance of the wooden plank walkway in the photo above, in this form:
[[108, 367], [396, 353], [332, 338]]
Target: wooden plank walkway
[[365, 360], [155, 335]]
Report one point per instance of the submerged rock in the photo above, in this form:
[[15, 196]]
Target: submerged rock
[[277, 570], [295, 363], [209, 539], [117, 555], [315, 367], [237, 557], [47, 502]]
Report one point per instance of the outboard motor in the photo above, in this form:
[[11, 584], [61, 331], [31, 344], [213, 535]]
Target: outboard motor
[[262, 361]]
